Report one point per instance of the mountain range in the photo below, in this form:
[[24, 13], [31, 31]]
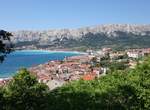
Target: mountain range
[[116, 36]]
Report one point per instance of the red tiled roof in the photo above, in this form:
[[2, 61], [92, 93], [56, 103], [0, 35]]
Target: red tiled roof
[[88, 77]]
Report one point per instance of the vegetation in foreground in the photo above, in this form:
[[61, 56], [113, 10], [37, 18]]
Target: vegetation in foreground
[[23, 93], [119, 90]]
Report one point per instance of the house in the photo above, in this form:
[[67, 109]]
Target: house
[[137, 53], [134, 54], [52, 84], [90, 52], [100, 53], [132, 64], [103, 71], [146, 51], [42, 78], [116, 55], [89, 76], [97, 71], [106, 50]]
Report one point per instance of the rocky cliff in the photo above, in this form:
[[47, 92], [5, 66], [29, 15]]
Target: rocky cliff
[[114, 35]]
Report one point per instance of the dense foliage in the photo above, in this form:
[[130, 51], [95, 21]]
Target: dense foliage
[[5, 44], [23, 93]]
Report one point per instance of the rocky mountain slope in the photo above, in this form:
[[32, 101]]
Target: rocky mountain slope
[[114, 35]]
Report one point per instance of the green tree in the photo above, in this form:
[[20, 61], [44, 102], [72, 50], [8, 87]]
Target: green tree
[[5, 44], [25, 93], [2, 99], [117, 66]]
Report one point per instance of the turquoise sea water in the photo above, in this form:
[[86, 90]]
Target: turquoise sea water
[[28, 58]]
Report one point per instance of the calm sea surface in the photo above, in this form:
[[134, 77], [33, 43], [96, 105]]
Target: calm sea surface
[[28, 58]]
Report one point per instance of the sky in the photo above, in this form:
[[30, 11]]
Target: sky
[[56, 14]]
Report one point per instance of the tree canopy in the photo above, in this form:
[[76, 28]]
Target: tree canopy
[[24, 92], [5, 44]]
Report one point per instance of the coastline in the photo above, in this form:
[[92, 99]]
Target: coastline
[[42, 51], [1, 79], [50, 51]]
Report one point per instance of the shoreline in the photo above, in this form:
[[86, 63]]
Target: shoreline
[[44, 51], [7, 78], [50, 51]]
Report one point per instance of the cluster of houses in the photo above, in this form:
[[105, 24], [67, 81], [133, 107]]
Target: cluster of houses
[[138, 53], [57, 73], [131, 53]]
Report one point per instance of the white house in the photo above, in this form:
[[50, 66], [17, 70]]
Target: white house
[[52, 84], [135, 54]]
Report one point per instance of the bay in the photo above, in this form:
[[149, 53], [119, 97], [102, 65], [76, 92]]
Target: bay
[[29, 58]]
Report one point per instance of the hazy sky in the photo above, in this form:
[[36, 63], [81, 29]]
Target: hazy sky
[[49, 14]]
